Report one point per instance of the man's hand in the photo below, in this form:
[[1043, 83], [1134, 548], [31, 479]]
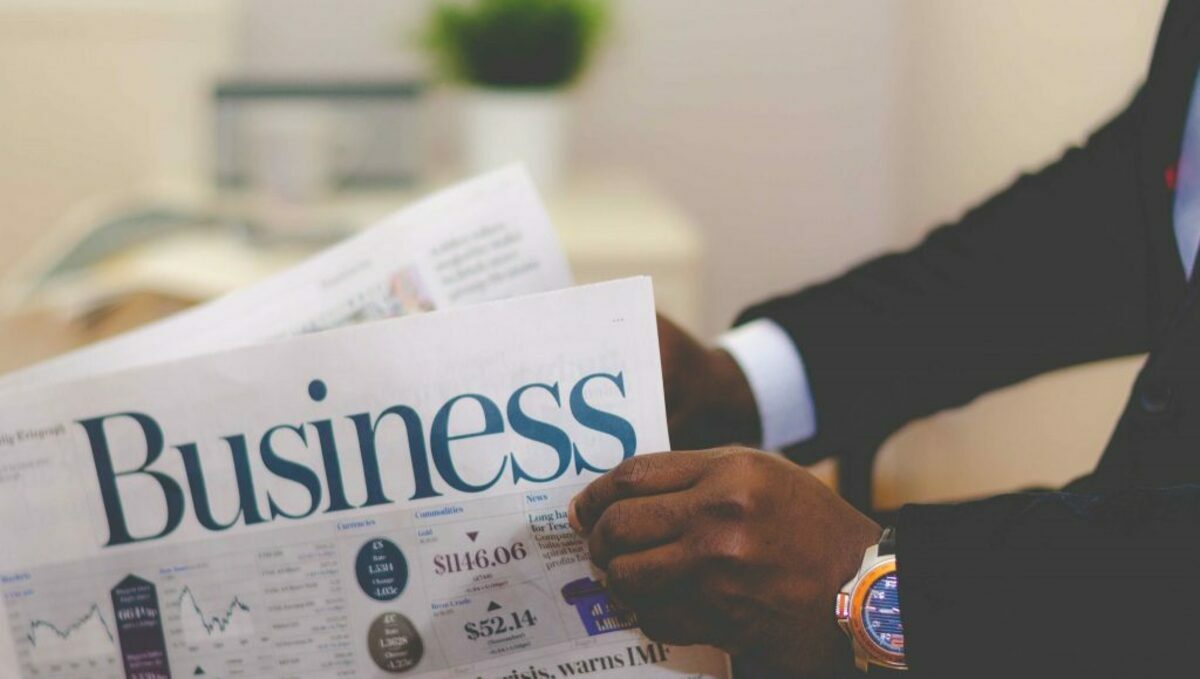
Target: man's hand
[[731, 547], [709, 402]]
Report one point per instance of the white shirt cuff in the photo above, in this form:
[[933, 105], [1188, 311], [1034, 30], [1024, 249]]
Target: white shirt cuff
[[773, 366]]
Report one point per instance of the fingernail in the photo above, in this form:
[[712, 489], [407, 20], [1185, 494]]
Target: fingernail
[[573, 518]]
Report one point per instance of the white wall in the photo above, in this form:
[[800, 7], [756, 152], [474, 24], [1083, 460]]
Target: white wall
[[767, 120], [988, 88], [332, 37], [756, 116], [99, 97], [837, 128]]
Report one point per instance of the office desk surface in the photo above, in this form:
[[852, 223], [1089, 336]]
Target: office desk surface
[[31, 337]]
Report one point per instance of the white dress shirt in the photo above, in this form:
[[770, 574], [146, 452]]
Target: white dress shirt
[[775, 370]]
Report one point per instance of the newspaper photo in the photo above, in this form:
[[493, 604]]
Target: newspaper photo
[[387, 499], [485, 239]]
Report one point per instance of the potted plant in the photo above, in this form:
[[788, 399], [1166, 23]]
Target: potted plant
[[518, 58]]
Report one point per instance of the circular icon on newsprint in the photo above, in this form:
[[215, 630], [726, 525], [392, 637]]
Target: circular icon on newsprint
[[381, 569], [394, 643]]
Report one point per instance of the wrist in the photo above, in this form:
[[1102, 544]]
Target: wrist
[[855, 547], [850, 557], [734, 398], [770, 363], [867, 609]]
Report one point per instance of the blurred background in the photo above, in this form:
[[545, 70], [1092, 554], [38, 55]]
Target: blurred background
[[156, 154]]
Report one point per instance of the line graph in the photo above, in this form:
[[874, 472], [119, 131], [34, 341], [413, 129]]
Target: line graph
[[88, 635], [234, 620]]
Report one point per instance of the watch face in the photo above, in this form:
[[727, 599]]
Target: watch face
[[881, 614]]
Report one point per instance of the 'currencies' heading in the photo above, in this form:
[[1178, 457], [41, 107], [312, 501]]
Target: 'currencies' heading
[[433, 465]]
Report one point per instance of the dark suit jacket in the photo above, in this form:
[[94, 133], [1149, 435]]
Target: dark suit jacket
[[1073, 264]]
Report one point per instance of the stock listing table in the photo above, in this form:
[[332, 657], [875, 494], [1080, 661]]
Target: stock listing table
[[469, 586]]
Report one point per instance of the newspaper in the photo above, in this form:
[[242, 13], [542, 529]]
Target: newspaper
[[384, 499], [482, 240]]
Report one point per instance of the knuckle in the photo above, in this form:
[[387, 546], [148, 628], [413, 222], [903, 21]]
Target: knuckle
[[582, 510], [744, 464], [753, 469], [621, 579], [629, 475], [736, 505], [668, 515], [729, 548], [735, 550], [612, 526], [746, 459], [585, 505], [598, 549], [721, 589]]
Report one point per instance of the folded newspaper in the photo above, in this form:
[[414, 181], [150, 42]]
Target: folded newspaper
[[383, 499], [485, 239]]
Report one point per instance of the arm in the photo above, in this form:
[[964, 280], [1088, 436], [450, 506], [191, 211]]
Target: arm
[[1050, 272], [1052, 584]]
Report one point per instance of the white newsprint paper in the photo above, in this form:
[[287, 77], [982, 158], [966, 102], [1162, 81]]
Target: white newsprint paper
[[485, 239], [383, 500]]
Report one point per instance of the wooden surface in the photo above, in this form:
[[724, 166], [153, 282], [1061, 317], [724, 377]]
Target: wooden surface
[[34, 336]]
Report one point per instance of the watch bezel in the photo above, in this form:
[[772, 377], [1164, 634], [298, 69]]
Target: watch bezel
[[858, 631]]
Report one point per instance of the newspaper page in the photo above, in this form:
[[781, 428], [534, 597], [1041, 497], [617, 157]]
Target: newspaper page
[[380, 500], [485, 239]]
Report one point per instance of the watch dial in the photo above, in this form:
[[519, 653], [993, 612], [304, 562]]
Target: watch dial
[[881, 614]]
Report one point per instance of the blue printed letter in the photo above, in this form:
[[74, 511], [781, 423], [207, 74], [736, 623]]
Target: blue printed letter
[[108, 477], [440, 438], [598, 420]]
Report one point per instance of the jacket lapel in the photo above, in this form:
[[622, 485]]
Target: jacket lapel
[[1168, 99]]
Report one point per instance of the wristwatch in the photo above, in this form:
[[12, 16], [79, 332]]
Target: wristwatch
[[868, 609]]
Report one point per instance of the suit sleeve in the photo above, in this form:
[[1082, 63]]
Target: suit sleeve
[[1053, 584], [1050, 272]]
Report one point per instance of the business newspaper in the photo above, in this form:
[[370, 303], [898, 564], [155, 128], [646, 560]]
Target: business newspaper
[[484, 239], [385, 499]]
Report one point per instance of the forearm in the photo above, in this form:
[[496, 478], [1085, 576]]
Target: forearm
[[1050, 272], [1052, 584]]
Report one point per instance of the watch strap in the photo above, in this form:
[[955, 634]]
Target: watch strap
[[887, 542]]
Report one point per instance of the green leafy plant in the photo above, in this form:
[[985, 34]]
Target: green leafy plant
[[515, 43]]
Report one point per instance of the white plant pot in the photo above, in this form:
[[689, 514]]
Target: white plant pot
[[501, 127]]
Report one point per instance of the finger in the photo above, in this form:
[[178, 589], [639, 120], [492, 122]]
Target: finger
[[679, 625], [636, 477], [651, 578], [637, 524]]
